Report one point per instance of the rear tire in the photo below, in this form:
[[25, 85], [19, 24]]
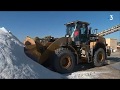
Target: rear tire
[[64, 61], [99, 57]]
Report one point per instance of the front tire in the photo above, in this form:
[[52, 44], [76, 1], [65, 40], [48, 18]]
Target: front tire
[[99, 57], [64, 61]]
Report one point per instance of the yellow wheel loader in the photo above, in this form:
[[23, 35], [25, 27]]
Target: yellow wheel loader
[[62, 54]]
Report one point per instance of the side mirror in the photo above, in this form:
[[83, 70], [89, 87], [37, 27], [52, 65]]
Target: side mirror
[[96, 31], [89, 30]]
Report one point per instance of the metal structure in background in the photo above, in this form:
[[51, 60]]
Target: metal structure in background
[[110, 30]]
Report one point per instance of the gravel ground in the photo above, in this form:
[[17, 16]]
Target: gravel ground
[[110, 71]]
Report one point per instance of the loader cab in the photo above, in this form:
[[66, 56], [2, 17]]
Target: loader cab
[[78, 31]]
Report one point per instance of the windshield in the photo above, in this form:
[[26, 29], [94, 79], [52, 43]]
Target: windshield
[[70, 29]]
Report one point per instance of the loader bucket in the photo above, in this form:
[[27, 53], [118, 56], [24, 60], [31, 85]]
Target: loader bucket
[[33, 48], [41, 51]]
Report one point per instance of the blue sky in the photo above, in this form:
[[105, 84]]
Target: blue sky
[[43, 23]]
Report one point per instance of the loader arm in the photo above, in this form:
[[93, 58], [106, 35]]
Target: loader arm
[[52, 47]]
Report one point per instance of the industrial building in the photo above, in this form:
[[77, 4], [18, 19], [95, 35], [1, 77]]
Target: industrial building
[[112, 44]]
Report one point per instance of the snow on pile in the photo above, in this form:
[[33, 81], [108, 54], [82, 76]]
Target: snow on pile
[[14, 64]]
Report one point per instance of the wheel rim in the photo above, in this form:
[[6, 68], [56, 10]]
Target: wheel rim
[[100, 57], [65, 62]]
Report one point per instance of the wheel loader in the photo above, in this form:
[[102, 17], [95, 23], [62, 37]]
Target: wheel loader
[[62, 54]]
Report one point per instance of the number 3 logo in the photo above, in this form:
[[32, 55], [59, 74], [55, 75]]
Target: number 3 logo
[[111, 17]]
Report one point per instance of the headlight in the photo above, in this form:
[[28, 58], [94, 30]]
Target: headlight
[[67, 36]]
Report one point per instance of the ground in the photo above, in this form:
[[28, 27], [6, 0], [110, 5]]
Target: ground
[[110, 71]]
